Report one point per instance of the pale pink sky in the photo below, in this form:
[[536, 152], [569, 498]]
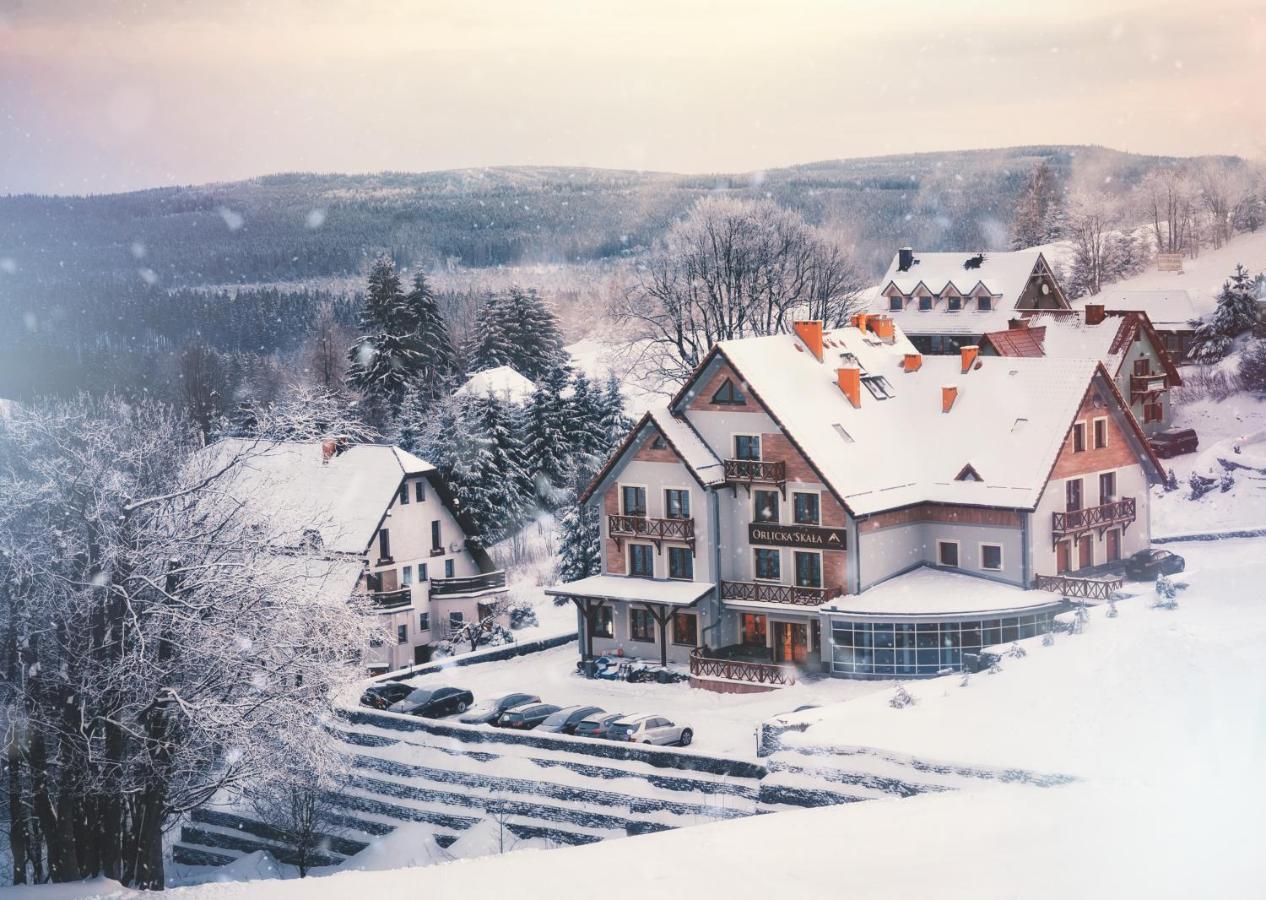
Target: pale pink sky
[[98, 96]]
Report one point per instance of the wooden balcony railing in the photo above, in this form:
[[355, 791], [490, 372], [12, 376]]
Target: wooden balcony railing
[[772, 593], [657, 530], [392, 599], [1142, 385], [1082, 588], [1107, 515], [741, 670], [748, 472], [485, 583]]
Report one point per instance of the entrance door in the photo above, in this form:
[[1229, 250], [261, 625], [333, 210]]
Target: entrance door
[[1114, 545], [791, 642], [1063, 557], [1086, 551]]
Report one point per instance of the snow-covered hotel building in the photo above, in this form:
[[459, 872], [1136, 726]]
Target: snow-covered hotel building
[[383, 521], [838, 501]]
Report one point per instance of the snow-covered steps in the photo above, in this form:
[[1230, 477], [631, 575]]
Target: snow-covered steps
[[217, 837]]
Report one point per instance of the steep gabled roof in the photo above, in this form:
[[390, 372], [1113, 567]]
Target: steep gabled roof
[[1066, 334], [1015, 341], [681, 436]]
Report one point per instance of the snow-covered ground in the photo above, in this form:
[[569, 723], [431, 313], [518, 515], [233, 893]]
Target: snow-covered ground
[[722, 723]]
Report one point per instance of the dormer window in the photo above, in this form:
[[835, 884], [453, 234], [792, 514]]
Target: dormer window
[[896, 303], [925, 304], [954, 304], [728, 395], [968, 473], [985, 303]]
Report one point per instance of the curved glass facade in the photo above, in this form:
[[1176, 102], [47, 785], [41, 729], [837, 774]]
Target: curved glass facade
[[921, 649]]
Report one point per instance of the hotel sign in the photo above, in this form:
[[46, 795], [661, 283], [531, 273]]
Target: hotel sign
[[812, 536]]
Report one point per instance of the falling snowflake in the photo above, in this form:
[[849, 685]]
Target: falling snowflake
[[315, 218], [231, 219], [8, 264]]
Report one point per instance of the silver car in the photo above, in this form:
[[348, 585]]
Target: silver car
[[646, 728]]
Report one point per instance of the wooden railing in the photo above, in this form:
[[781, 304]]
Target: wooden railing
[[1142, 385], [620, 526], [772, 593], [1083, 588], [756, 471], [470, 584], [392, 599], [741, 670], [1118, 512]]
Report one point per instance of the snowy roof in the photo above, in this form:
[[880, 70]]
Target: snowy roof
[[311, 578], [1008, 421], [503, 382], [689, 445], [643, 590], [287, 486], [1167, 310], [1067, 335], [927, 591], [1004, 275]]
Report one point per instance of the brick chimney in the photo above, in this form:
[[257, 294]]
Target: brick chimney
[[949, 393], [1016, 324], [905, 259], [859, 321], [810, 331], [969, 353], [850, 381], [1094, 313], [883, 328], [912, 362]]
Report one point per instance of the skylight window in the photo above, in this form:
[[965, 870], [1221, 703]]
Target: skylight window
[[839, 429], [879, 387]]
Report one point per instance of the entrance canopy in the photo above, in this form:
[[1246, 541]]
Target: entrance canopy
[[634, 590]]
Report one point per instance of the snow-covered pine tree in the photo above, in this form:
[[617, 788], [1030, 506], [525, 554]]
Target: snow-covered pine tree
[[615, 423], [388, 355], [579, 552], [585, 436], [493, 343], [1037, 214], [439, 358], [1253, 366], [507, 491], [457, 445], [518, 329], [1235, 314], [546, 445]]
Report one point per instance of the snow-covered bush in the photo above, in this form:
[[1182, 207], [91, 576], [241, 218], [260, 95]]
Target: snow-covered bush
[[1200, 485], [901, 698], [1015, 651], [1252, 369], [1171, 481], [523, 614], [1048, 639], [1112, 609], [1235, 314], [1166, 593], [1226, 482]]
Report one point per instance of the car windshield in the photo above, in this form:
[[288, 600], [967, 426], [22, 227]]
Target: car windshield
[[558, 718], [419, 696]]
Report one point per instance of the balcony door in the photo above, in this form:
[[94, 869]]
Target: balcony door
[[791, 642], [1063, 557], [747, 446], [1072, 494], [633, 499]]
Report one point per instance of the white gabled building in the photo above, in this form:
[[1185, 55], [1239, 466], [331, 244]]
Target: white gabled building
[[836, 500], [944, 301], [505, 383], [387, 511]]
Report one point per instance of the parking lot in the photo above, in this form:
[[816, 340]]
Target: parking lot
[[722, 723]]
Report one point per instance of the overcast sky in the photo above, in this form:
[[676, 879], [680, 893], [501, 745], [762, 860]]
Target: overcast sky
[[100, 96]]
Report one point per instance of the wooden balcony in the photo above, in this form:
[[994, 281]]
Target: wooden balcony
[[1108, 515], [748, 472], [769, 674], [1080, 588], [1151, 383], [760, 592], [392, 599], [470, 585], [651, 529]]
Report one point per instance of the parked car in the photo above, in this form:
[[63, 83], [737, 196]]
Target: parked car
[[1174, 442], [488, 712], [1147, 564], [383, 694], [650, 729], [433, 703], [527, 716], [566, 719], [597, 725]]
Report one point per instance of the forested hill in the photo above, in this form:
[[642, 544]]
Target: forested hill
[[295, 226]]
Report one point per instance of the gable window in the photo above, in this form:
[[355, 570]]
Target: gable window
[[728, 395], [658, 443], [896, 304], [641, 625], [384, 544], [925, 303], [1079, 437], [768, 564], [633, 500], [968, 473], [765, 506], [685, 629], [808, 569], [991, 557], [677, 503], [641, 562], [747, 446], [947, 553], [681, 563], [1101, 433], [1072, 494], [437, 543], [601, 623], [419, 490], [954, 304], [1107, 487], [806, 509], [403, 494]]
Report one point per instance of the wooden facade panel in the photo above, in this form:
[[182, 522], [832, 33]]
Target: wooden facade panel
[[1116, 455], [703, 400], [944, 513]]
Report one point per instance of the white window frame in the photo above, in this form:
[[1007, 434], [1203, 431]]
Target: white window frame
[[1002, 557], [781, 568], [668, 568], [821, 565], [628, 618], [1093, 422], [628, 558], [760, 440], [1072, 437], [672, 636], [791, 504], [646, 492], [406, 576], [1116, 483], [751, 503], [663, 498], [958, 553]]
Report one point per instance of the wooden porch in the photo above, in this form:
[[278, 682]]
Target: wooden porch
[[1081, 588]]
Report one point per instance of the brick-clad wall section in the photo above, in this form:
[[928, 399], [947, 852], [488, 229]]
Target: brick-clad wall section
[[834, 572], [932, 512], [1116, 455], [703, 400], [615, 550], [648, 453]]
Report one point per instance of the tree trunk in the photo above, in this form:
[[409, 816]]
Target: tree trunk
[[17, 811], [59, 834], [148, 874]]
